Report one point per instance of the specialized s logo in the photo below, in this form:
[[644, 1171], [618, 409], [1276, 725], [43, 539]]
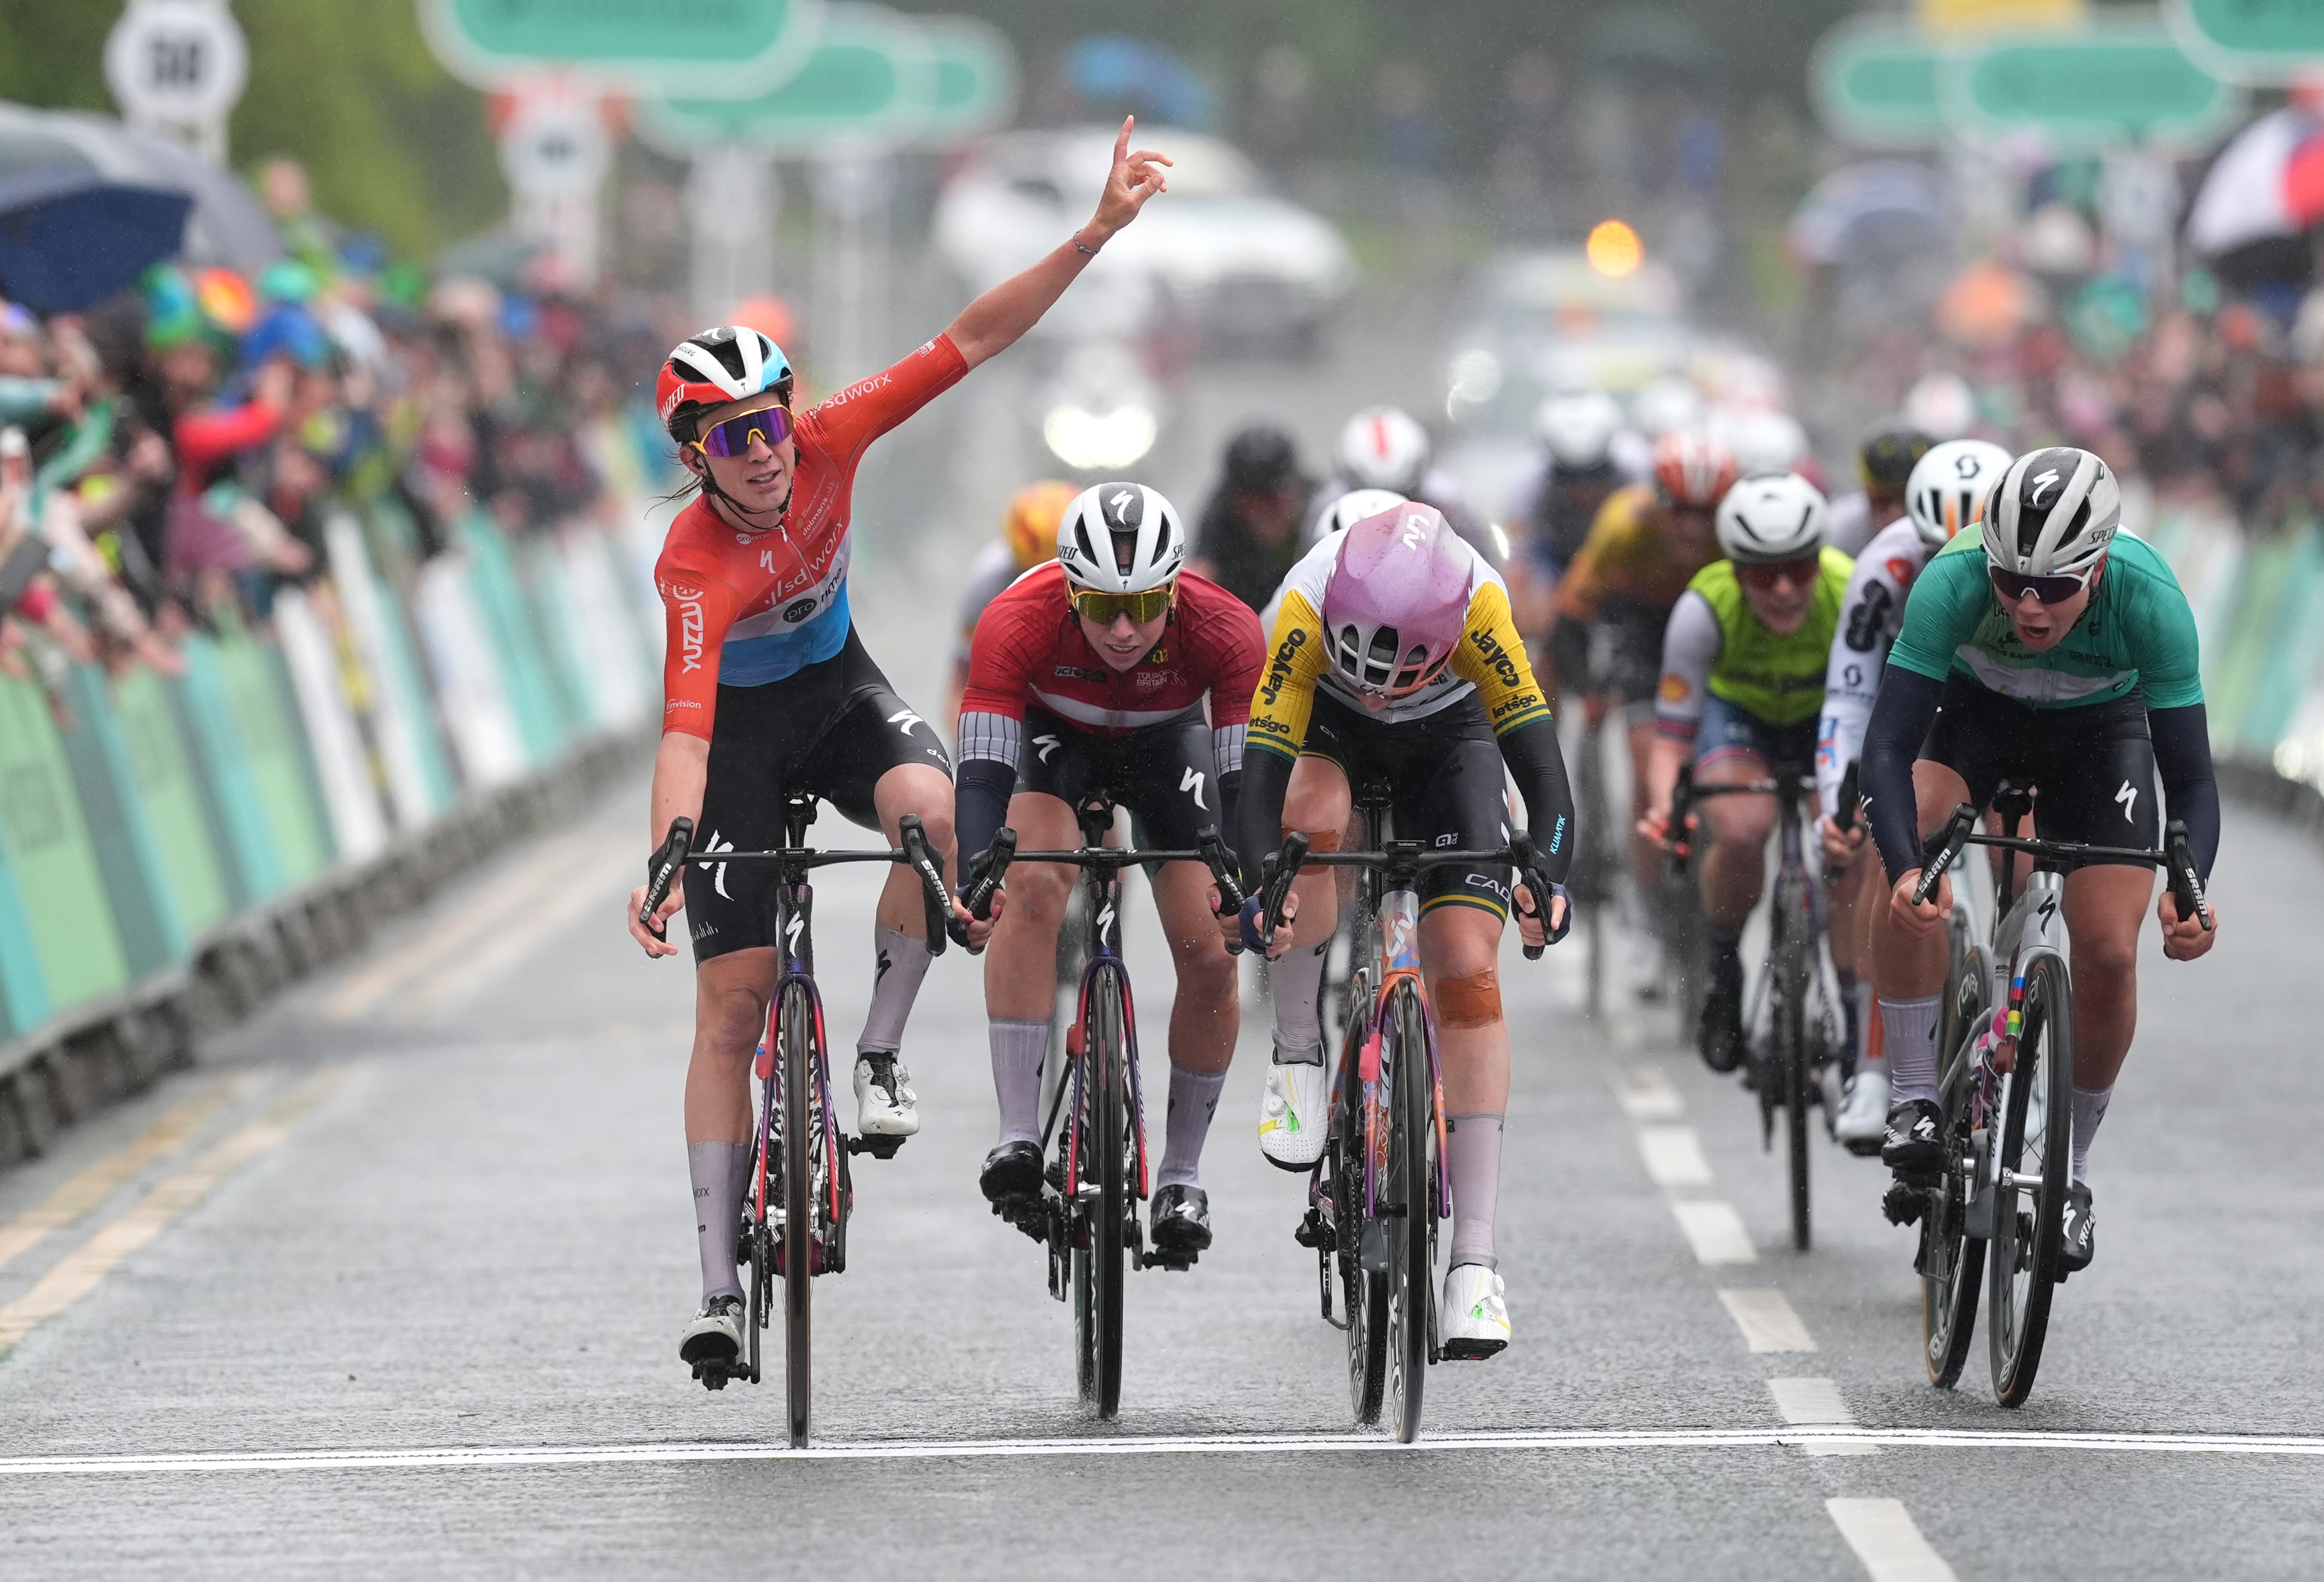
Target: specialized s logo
[[1125, 508], [1490, 649], [1278, 668], [1192, 780]]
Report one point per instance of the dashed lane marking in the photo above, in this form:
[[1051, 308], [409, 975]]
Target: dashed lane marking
[[88, 1188], [1767, 1321], [556, 1455], [1816, 1403], [1882, 1534], [80, 1270], [1644, 1094], [1673, 1157], [1715, 1230]]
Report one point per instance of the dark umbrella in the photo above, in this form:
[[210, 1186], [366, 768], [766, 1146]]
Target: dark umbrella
[[69, 239], [228, 225]]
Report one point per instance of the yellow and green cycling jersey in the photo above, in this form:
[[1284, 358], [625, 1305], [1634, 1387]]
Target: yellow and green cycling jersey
[[1715, 646]]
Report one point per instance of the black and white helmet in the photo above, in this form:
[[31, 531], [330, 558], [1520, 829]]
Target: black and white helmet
[[1949, 486], [1121, 539], [1772, 517], [2053, 513]]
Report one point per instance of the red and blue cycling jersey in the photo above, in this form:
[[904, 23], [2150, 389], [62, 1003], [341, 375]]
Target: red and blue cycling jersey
[[748, 609]]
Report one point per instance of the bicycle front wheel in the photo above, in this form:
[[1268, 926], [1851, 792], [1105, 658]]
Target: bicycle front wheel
[[1103, 1197], [798, 1057], [1794, 1063], [1951, 1260], [1411, 1188], [1362, 1291], [2035, 1162]]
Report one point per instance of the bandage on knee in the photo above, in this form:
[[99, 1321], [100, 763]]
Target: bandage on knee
[[1319, 841], [1474, 1001]]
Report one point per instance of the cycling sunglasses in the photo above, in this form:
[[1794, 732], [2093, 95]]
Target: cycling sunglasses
[[1101, 607], [732, 437], [1800, 573], [2049, 590]]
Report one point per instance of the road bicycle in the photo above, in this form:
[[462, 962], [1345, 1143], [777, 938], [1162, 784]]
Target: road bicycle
[[1598, 848], [1795, 1031], [1377, 1194], [801, 1192], [1090, 1229], [1996, 1204]]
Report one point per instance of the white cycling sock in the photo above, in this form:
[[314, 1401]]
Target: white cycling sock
[[1293, 979], [1909, 1026], [1194, 1096], [901, 962], [1472, 1158], [2089, 1109], [720, 1171], [1016, 1051]]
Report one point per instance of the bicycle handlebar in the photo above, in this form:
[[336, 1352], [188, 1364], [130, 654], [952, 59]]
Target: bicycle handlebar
[[1521, 853], [985, 873], [2176, 858], [676, 853]]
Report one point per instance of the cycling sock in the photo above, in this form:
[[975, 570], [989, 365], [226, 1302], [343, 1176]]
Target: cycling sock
[[1293, 979], [1861, 999], [1193, 1096], [901, 961], [2089, 1109], [1016, 1051], [1909, 1028], [720, 1171], [1851, 1014], [1472, 1144]]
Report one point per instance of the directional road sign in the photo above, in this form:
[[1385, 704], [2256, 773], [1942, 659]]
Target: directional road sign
[[2251, 41], [1875, 85], [703, 49], [976, 79], [2100, 88], [870, 82]]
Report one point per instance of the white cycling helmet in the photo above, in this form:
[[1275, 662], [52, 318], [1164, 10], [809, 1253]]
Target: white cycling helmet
[[1577, 427], [1773, 516], [1121, 539], [2053, 513], [1947, 490], [1352, 508], [1767, 442], [1665, 404], [1384, 447]]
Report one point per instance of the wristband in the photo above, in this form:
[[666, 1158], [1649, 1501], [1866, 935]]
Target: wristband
[[1085, 251]]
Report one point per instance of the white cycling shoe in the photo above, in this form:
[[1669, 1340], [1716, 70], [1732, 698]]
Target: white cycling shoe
[[1292, 1116], [1475, 1317], [715, 1335], [885, 1104], [1864, 1111]]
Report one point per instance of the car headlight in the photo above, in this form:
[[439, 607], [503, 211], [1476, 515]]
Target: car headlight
[[1099, 442]]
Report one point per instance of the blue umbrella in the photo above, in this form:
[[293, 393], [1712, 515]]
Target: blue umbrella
[[70, 238]]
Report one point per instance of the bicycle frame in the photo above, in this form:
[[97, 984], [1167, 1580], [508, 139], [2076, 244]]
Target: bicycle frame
[[1396, 907], [1102, 883]]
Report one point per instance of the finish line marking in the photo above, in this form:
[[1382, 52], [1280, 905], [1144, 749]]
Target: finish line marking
[[554, 1455]]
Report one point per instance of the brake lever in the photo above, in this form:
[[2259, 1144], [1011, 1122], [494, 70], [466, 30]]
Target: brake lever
[[2186, 889], [662, 869], [1281, 870], [1938, 854], [913, 836], [984, 877], [1214, 848], [1535, 874]]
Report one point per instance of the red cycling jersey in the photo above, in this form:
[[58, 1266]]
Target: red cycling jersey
[[1029, 649], [747, 609]]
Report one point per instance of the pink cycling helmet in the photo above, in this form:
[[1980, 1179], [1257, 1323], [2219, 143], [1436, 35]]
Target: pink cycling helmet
[[1397, 599]]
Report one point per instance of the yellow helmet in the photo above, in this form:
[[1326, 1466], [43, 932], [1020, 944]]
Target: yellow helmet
[[1033, 517]]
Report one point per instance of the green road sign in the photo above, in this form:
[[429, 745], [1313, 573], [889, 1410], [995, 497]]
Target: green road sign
[[870, 79], [2250, 41], [976, 79], [1875, 85], [2100, 88], [701, 48]]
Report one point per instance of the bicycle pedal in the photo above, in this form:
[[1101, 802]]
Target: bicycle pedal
[[1178, 1262], [878, 1148], [1904, 1203], [1314, 1232]]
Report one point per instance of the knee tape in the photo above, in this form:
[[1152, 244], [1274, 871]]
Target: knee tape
[[1474, 1001], [1320, 841]]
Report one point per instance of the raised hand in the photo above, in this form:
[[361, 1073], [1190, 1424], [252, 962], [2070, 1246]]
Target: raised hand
[[1134, 179]]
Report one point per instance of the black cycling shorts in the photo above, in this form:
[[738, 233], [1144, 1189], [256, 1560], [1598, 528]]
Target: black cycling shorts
[[1167, 775], [2092, 768], [1445, 785], [1625, 651], [833, 730]]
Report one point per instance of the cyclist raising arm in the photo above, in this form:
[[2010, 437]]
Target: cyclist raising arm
[[2061, 656], [768, 689]]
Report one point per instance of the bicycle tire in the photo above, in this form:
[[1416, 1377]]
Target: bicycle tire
[[1951, 1261], [1364, 1295], [1106, 1151], [2023, 1271], [1794, 1060], [796, 1057], [757, 1239], [1412, 1233]]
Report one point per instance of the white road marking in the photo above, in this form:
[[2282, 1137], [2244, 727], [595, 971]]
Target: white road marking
[[1673, 1157], [554, 1456], [80, 1270], [1645, 1095], [581, 885], [88, 1188], [1767, 1321], [1816, 1403], [1715, 1230], [1882, 1534]]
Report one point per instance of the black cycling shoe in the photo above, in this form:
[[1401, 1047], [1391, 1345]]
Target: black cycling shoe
[[1012, 1173], [1179, 1221], [2076, 1232], [1914, 1145], [1720, 1038]]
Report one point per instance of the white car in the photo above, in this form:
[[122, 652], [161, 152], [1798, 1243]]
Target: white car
[[1548, 322], [1239, 262]]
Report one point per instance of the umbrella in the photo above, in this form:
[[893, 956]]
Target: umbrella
[[228, 225], [1861, 212], [69, 239], [2268, 183]]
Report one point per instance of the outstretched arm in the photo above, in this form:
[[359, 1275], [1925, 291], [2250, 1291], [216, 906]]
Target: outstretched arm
[[991, 324]]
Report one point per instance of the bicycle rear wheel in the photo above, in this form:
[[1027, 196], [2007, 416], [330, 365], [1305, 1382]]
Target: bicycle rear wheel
[[1951, 1261], [1103, 1197], [797, 1058], [1363, 1293], [1411, 1188], [2035, 1160], [1794, 1060]]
